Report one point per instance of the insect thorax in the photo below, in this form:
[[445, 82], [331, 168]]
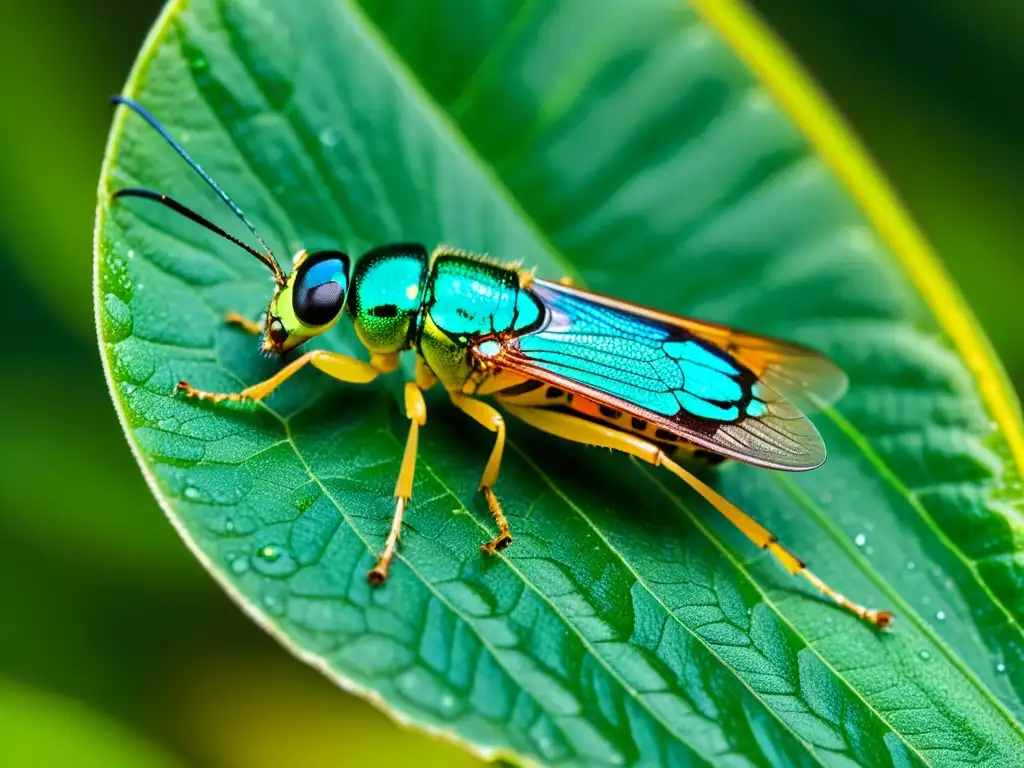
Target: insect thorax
[[386, 296], [471, 304]]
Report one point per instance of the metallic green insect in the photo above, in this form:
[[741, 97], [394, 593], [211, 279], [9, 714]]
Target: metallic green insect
[[581, 366]]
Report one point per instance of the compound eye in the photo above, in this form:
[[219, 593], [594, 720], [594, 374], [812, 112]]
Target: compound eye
[[320, 286], [277, 332]]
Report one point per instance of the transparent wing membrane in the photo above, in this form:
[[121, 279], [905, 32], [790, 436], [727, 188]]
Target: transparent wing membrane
[[733, 393], [806, 378]]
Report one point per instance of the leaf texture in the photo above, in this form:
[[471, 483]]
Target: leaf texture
[[628, 144]]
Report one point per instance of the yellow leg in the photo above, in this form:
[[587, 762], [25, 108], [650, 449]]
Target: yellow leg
[[341, 367], [591, 433], [416, 410], [488, 417], [233, 318], [385, 363], [425, 377]]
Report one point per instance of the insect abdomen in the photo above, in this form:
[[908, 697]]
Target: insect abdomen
[[536, 394]]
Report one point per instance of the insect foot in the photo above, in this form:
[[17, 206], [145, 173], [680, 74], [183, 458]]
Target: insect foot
[[496, 544], [881, 619], [377, 575], [504, 537]]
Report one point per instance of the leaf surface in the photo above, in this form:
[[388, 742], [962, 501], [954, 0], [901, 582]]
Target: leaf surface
[[636, 147]]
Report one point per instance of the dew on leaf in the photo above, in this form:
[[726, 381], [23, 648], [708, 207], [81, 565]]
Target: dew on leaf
[[447, 702], [270, 554], [860, 539], [940, 615], [329, 137], [118, 317], [275, 560], [925, 655], [273, 603]]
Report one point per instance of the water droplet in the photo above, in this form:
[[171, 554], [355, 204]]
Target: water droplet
[[329, 137], [275, 560], [940, 615], [274, 603], [911, 565], [127, 388], [869, 550], [270, 554], [1000, 668], [925, 655], [199, 64], [191, 492], [131, 253], [229, 525], [860, 539], [239, 565]]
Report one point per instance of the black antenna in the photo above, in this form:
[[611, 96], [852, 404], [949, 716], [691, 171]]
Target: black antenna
[[174, 205], [269, 259]]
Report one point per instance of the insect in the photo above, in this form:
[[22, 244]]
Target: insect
[[578, 365]]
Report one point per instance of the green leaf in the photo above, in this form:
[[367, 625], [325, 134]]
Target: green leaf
[[665, 153]]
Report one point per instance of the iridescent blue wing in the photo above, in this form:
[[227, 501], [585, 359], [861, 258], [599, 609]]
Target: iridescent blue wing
[[719, 388]]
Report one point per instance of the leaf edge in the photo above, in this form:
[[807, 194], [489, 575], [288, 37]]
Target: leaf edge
[[805, 103], [161, 27]]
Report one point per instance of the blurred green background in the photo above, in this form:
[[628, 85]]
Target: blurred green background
[[116, 648]]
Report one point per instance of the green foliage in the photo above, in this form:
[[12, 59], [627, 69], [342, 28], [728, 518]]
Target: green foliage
[[37, 728], [628, 146]]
